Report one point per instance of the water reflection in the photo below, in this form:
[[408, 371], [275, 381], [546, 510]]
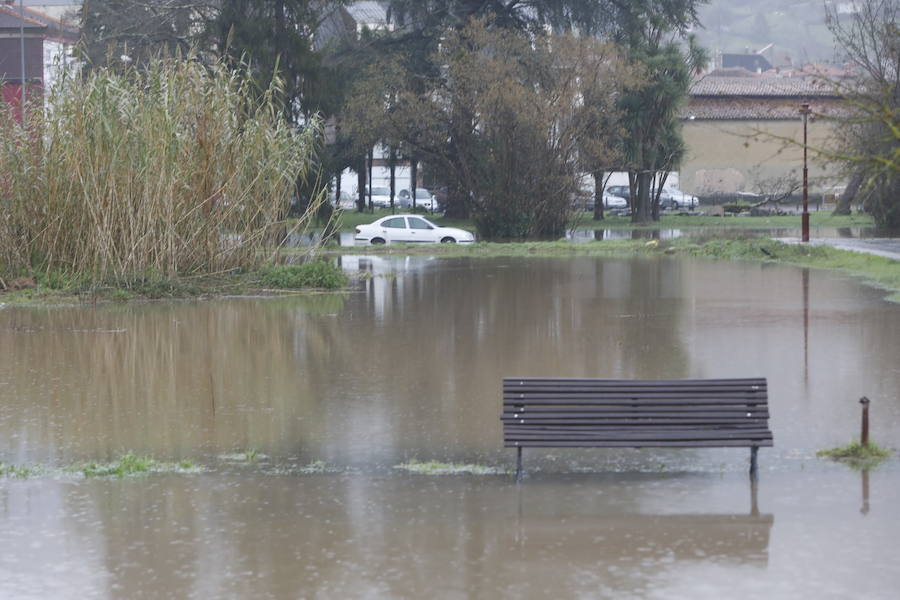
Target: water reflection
[[607, 536]]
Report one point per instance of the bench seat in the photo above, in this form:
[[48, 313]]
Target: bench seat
[[614, 413]]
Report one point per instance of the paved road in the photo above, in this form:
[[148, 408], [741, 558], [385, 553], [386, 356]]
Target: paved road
[[887, 247]]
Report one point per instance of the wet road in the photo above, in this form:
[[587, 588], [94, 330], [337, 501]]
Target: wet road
[[886, 247]]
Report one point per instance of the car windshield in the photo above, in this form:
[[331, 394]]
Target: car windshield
[[420, 193], [381, 191]]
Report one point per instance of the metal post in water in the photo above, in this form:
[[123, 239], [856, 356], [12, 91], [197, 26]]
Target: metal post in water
[[864, 437]]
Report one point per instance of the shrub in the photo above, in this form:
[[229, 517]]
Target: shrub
[[313, 274], [179, 169], [736, 207]]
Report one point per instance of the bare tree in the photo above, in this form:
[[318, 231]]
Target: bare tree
[[870, 132]]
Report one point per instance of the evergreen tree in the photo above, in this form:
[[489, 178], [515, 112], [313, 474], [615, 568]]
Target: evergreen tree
[[279, 36]]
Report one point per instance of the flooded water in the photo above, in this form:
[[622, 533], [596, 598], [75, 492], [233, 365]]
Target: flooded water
[[332, 392]]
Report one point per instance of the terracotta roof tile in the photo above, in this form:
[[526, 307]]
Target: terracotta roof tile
[[766, 87], [756, 109]]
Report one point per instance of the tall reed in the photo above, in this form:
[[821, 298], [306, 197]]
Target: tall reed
[[180, 169]]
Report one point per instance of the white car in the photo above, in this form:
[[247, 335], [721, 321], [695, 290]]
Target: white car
[[408, 229], [612, 201], [424, 199], [381, 197], [672, 198]]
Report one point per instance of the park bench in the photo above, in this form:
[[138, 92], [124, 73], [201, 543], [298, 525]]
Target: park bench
[[615, 413]]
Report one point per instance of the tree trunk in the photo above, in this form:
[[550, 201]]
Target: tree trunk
[[392, 164], [369, 167], [598, 195], [361, 184], [846, 199], [337, 191], [456, 202], [413, 178], [640, 210]]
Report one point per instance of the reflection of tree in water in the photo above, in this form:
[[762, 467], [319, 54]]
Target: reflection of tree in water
[[428, 347], [350, 536], [174, 379]]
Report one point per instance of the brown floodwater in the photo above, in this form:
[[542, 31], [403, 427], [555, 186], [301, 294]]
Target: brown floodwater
[[332, 392]]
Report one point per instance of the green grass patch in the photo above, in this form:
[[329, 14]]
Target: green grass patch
[[134, 464], [857, 455], [585, 220], [313, 274], [439, 468], [675, 221]]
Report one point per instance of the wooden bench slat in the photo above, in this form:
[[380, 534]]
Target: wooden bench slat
[[630, 424], [606, 407], [632, 403], [645, 444], [624, 393], [635, 382], [667, 433], [619, 413]]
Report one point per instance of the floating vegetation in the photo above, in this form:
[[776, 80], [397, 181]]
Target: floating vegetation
[[19, 472], [317, 466], [439, 468], [133, 464], [250, 455], [857, 455], [126, 464]]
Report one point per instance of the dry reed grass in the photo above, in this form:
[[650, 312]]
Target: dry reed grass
[[177, 170]]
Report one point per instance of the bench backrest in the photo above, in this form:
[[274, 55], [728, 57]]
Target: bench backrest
[[635, 413]]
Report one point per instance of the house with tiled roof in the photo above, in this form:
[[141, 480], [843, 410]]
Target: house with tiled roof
[[45, 41], [743, 133]]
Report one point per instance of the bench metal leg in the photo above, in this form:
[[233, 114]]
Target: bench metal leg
[[754, 497], [753, 467], [518, 464]]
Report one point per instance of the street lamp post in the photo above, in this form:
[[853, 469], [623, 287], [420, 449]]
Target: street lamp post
[[804, 217]]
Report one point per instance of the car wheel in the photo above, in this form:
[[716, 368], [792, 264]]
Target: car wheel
[[376, 241], [448, 240]]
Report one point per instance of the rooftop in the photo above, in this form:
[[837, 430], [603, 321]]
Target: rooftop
[[368, 12], [762, 87], [10, 19]]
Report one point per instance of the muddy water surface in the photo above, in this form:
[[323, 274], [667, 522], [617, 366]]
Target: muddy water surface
[[407, 366]]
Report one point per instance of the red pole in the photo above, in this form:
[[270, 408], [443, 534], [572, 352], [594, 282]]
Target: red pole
[[804, 217]]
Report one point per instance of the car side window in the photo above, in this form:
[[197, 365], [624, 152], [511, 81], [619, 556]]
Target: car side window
[[416, 223], [395, 223]]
